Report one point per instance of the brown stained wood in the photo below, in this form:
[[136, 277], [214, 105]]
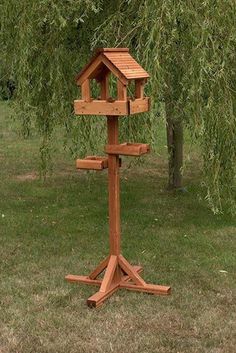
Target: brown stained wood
[[117, 60], [127, 278], [83, 279], [148, 288], [88, 70], [105, 87], [128, 149], [139, 105], [113, 188], [99, 269], [121, 91], [139, 88], [100, 107], [126, 267], [109, 274], [98, 298], [113, 68], [99, 50], [85, 91], [92, 163]]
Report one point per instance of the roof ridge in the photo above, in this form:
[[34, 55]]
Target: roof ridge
[[100, 50]]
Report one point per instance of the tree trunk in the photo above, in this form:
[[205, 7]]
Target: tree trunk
[[174, 130]]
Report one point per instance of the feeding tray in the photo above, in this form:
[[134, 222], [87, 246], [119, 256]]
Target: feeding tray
[[118, 107], [128, 149], [92, 162]]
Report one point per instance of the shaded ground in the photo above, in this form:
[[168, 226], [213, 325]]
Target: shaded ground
[[50, 230]]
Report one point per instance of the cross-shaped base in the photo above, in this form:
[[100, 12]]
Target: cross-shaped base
[[118, 274]]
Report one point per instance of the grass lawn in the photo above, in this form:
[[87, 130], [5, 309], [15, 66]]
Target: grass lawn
[[50, 230]]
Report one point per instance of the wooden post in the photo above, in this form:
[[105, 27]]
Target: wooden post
[[114, 193], [114, 188]]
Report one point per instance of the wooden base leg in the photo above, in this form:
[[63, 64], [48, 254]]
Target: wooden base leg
[[139, 284], [130, 280], [98, 298], [99, 269]]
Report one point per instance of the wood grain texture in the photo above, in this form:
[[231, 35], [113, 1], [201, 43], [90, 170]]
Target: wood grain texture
[[139, 105], [109, 274], [85, 91], [100, 107], [128, 149], [92, 163], [100, 268]]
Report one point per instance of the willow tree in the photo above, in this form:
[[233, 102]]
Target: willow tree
[[188, 47]]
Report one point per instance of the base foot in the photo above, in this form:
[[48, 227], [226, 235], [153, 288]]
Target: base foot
[[128, 278]]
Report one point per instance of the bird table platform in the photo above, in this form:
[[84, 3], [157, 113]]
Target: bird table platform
[[118, 272]]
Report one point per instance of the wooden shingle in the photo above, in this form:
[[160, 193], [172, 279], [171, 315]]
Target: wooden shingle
[[118, 61]]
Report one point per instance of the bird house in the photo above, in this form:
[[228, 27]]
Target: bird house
[[107, 62]]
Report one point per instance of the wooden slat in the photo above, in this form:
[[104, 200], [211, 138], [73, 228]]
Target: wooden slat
[[128, 149], [105, 87], [139, 105], [92, 163], [121, 91], [83, 279], [119, 60], [100, 107], [112, 49], [109, 274], [88, 70], [127, 278], [148, 288], [85, 91], [129, 270], [114, 69], [99, 268], [139, 88], [98, 298]]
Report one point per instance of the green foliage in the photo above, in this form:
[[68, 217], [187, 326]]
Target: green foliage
[[187, 46], [189, 50]]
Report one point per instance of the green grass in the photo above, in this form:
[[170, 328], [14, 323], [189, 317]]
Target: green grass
[[50, 230]]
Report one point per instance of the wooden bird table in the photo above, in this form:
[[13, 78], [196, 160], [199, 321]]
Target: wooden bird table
[[118, 272]]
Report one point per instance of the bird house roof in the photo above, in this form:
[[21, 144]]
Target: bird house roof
[[117, 60]]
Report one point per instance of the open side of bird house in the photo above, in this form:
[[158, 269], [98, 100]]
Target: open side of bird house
[[118, 272], [107, 62]]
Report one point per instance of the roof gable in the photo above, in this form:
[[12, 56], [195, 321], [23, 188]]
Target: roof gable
[[117, 60]]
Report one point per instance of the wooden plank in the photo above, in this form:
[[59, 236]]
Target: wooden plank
[[139, 89], [100, 107], [98, 298], [121, 91], [139, 105], [83, 279], [88, 70], [112, 49], [105, 87], [126, 278], [99, 268], [109, 274], [114, 70], [128, 149], [129, 270], [95, 163], [85, 91], [148, 288]]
